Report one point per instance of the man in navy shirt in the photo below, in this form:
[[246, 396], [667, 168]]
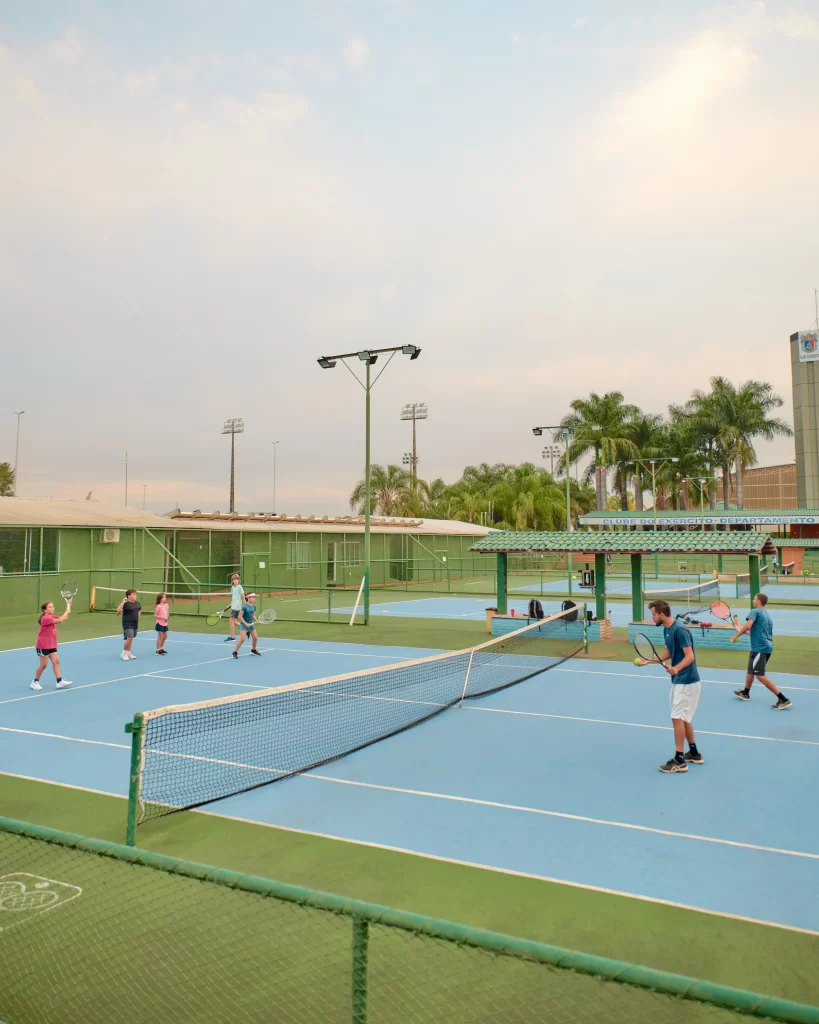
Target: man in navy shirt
[[760, 625], [685, 686]]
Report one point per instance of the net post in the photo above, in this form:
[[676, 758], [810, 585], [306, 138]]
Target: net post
[[135, 729], [92, 603], [586, 630], [361, 940], [468, 670]]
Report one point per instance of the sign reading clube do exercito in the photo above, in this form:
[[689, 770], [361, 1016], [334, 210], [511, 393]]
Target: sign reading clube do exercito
[[808, 346]]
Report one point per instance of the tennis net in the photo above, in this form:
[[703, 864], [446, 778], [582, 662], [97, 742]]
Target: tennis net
[[188, 755], [690, 598], [107, 599]]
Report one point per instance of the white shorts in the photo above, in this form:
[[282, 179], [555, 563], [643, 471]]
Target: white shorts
[[684, 700]]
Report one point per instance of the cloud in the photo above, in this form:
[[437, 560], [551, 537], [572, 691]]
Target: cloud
[[140, 83], [68, 48], [580, 22], [357, 52], [797, 24]]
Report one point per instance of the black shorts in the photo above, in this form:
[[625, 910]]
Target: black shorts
[[757, 663], [44, 652]]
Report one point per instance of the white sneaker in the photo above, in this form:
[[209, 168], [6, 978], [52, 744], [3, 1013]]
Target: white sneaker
[[124, 656], [131, 657], [35, 685], [63, 683]]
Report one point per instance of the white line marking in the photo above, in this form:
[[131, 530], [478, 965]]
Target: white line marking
[[563, 815], [70, 739], [301, 650], [443, 860], [507, 871], [635, 725], [213, 682], [637, 675], [63, 643]]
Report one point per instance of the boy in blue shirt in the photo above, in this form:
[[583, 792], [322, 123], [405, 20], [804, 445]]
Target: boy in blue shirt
[[760, 625], [247, 625], [685, 686]]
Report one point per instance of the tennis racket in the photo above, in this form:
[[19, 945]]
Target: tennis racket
[[647, 651], [723, 611], [69, 590], [216, 617], [267, 616]]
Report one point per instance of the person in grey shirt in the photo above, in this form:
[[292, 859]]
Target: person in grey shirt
[[760, 625]]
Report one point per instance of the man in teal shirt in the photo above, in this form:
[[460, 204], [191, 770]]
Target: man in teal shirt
[[760, 625]]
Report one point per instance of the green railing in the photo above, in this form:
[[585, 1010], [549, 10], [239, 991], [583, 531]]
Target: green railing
[[95, 932]]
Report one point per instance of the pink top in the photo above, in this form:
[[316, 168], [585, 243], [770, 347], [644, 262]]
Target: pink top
[[47, 637], [161, 613]]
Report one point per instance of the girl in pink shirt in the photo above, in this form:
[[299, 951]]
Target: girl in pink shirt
[[47, 644], [161, 613]]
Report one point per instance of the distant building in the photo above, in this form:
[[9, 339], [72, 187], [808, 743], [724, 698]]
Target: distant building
[[767, 487]]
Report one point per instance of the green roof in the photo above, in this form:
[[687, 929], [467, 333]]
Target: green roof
[[694, 516], [646, 542], [797, 542]]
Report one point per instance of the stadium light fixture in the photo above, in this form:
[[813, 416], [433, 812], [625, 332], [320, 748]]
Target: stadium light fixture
[[368, 357]]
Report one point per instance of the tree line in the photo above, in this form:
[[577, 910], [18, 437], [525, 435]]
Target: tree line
[[707, 437]]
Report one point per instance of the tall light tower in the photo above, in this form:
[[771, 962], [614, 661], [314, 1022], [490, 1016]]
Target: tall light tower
[[275, 449], [414, 411], [233, 427], [17, 450], [549, 452]]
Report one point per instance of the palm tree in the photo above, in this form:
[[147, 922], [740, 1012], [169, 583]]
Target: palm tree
[[643, 430], [743, 414], [597, 424], [389, 486]]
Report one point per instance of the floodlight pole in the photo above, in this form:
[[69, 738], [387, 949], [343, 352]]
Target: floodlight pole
[[653, 464], [233, 427], [275, 449], [368, 357], [126, 478], [17, 450]]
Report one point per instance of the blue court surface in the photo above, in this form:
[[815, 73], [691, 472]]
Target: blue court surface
[[555, 777], [794, 591], [787, 621]]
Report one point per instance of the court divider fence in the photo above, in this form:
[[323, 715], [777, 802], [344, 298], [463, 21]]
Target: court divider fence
[[93, 931]]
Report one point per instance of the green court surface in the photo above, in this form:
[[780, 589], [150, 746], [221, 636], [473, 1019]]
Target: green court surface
[[712, 947]]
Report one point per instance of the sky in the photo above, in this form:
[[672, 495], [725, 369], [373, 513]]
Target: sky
[[200, 198]]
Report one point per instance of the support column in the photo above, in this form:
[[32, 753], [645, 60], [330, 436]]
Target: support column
[[600, 584], [719, 564], [501, 573], [637, 612], [753, 569]]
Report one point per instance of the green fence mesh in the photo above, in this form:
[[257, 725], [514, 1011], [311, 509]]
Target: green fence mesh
[[92, 932]]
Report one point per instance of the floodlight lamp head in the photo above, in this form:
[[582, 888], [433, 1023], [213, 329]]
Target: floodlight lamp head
[[537, 431], [325, 363], [411, 350], [367, 357]]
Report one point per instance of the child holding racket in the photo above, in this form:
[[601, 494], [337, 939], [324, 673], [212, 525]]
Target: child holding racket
[[760, 625], [161, 613], [247, 625], [685, 685], [237, 600], [46, 644]]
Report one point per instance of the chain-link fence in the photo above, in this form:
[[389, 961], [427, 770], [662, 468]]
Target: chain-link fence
[[92, 932]]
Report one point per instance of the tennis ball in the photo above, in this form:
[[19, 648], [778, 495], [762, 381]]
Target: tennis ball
[[637, 661]]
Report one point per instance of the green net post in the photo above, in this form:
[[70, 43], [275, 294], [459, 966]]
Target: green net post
[[753, 569], [600, 584], [502, 584], [719, 564], [135, 729], [636, 588], [361, 940]]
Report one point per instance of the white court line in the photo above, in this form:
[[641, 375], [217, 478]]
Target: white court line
[[637, 675], [213, 682], [105, 682], [635, 725], [561, 814], [63, 643], [70, 739], [443, 860], [301, 650]]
